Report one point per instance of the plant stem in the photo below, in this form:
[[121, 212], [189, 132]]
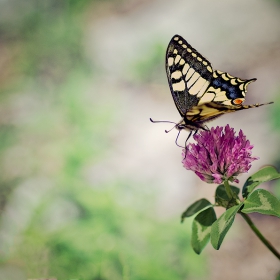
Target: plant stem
[[260, 236], [228, 189]]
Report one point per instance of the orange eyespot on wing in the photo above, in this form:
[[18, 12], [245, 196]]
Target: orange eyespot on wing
[[238, 101]]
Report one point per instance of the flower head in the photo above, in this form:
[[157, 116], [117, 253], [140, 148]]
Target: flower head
[[218, 155]]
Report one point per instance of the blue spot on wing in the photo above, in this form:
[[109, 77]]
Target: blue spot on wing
[[232, 92], [217, 83]]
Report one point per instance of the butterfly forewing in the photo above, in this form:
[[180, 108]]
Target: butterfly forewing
[[189, 74]]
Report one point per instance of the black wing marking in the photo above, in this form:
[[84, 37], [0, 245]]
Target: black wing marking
[[189, 74]]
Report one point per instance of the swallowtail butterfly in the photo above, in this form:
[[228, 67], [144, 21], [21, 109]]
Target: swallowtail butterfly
[[200, 93]]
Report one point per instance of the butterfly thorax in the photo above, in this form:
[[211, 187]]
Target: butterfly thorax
[[189, 125]]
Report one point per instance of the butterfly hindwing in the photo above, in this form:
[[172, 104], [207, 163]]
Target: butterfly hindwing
[[189, 74], [211, 110]]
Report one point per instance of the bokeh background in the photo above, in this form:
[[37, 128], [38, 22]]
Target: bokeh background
[[89, 188]]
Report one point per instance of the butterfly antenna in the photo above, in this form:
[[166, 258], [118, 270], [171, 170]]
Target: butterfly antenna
[[166, 131], [161, 121]]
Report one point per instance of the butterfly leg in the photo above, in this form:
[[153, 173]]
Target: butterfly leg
[[188, 139], [176, 141]]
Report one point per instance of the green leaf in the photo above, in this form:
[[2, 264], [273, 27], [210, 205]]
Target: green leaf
[[196, 207], [201, 229], [222, 199], [265, 174], [263, 202], [220, 228]]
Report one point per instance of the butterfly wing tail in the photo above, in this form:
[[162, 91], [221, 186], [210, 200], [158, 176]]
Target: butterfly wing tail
[[254, 105]]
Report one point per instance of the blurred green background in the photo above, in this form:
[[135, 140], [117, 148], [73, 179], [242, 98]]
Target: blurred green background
[[90, 189]]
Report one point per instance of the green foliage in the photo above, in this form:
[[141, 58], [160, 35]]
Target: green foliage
[[220, 228], [150, 67], [44, 41], [105, 239], [195, 208], [265, 174], [222, 199], [276, 110], [57, 126], [201, 229], [262, 201], [206, 226]]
